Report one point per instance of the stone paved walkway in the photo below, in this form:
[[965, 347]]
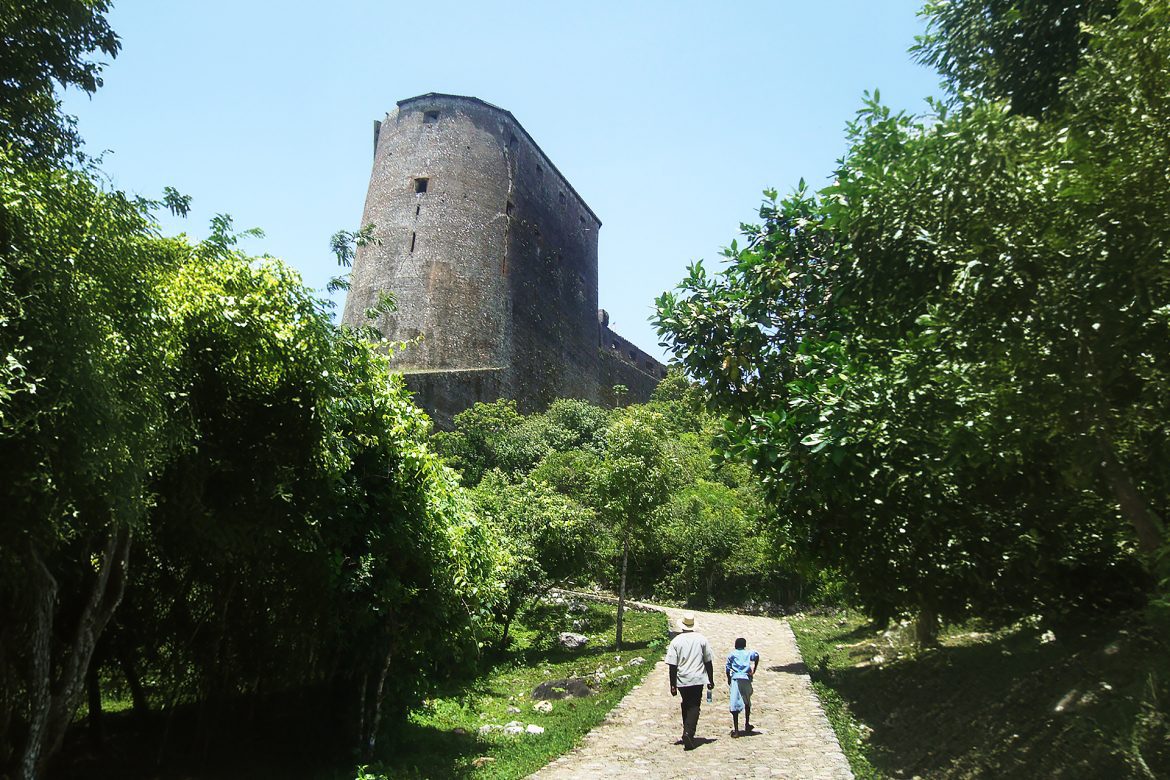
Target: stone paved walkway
[[793, 739]]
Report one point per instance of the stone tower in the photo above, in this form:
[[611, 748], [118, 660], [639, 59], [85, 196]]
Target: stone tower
[[492, 257]]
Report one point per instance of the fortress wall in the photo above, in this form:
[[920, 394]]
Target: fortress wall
[[492, 256], [623, 363], [442, 251], [446, 393], [552, 271]]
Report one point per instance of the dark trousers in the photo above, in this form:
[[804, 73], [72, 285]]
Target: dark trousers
[[692, 698]]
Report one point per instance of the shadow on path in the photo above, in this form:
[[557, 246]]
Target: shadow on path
[[795, 668]]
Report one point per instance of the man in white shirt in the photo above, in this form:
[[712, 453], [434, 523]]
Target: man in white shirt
[[690, 661]]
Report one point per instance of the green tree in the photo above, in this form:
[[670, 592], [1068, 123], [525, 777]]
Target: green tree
[[43, 45], [547, 537], [939, 365], [635, 476], [87, 372]]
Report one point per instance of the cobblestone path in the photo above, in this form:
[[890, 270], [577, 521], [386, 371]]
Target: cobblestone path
[[793, 738]]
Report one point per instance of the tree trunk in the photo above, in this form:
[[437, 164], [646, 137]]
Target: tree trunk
[[93, 698], [926, 626], [134, 683], [372, 716], [622, 591], [43, 587], [1150, 530], [55, 700]]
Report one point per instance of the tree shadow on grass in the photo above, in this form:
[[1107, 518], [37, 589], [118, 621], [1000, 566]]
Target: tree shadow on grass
[[995, 709], [432, 753]]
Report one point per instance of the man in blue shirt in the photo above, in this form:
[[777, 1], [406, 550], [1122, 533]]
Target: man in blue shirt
[[741, 668]]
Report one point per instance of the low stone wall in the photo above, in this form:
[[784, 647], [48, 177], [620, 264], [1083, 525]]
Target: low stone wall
[[602, 598]]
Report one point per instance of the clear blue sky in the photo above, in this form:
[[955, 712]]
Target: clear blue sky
[[668, 118]]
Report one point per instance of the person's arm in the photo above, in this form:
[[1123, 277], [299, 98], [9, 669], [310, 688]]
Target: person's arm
[[755, 664], [673, 679], [710, 666], [727, 670]]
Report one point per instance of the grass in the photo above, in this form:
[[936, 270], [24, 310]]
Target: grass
[[442, 739], [1085, 699]]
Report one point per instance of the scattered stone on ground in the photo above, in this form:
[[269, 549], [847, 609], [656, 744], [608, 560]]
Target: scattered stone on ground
[[572, 641], [580, 625], [482, 761], [532, 728], [514, 710], [793, 739], [577, 608], [559, 689], [543, 706]]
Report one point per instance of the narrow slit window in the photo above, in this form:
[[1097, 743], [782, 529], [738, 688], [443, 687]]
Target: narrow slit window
[[582, 220], [509, 208], [412, 237], [539, 171], [562, 198], [430, 117], [417, 209], [512, 143], [420, 185]]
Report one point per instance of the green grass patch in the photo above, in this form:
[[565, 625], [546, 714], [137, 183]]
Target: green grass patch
[[1083, 699], [442, 739]]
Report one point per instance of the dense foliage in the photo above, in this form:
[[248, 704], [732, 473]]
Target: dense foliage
[[208, 487], [184, 426], [948, 366], [645, 486]]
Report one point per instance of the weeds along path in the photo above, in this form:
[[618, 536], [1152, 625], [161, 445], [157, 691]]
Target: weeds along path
[[793, 737]]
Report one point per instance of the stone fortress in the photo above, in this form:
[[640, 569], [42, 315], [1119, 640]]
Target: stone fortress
[[492, 258]]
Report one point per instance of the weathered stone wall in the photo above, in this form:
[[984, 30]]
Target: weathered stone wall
[[552, 245], [441, 251], [492, 257]]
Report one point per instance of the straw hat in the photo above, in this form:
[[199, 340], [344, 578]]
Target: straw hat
[[687, 621]]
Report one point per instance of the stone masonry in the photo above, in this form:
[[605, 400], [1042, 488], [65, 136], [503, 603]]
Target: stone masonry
[[492, 258]]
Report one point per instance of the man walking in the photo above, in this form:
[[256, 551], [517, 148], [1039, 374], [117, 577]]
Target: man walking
[[690, 661]]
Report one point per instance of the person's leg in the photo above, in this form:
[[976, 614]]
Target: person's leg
[[735, 705], [745, 693], [691, 695]]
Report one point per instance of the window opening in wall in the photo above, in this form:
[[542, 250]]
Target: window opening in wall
[[613, 345], [512, 143], [633, 356], [582, 220], [539, 171], [412, 235], [508, 209], [420, 184], [562, 198], [417, 209], [430, 117]]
